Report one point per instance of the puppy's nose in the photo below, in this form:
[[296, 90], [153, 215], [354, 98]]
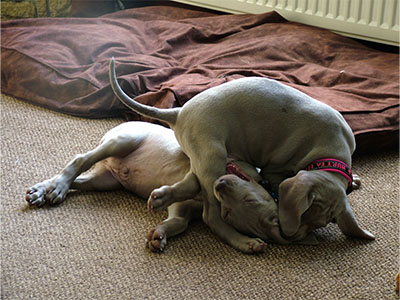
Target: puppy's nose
[[220, 184]]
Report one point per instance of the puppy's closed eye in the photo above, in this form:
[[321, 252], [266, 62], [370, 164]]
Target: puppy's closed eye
[[250, 200]]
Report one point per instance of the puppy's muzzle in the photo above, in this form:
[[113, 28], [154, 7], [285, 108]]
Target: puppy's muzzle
[[221, 184]]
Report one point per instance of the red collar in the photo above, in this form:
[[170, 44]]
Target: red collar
[[333, 165], [232, 168]]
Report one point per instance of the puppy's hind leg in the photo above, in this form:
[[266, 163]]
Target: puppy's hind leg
[[98, 179], [54, 190]]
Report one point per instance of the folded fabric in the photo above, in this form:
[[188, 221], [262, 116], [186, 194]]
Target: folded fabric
[[166, 55]]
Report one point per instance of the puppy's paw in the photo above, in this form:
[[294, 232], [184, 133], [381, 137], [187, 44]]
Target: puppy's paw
[[255, 245], [156, 240], [52, 191], [160, 198], [35, 195]]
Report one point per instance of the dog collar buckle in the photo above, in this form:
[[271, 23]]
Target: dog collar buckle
[[333, 165]]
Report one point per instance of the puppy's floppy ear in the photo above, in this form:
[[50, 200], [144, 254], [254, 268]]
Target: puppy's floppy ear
[[295, 198], [349, 225]]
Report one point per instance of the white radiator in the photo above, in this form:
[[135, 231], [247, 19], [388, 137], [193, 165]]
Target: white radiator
[[374, 20]]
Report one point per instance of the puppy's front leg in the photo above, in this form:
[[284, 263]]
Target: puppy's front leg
[[208, 171], [164, 196], [179, 216]]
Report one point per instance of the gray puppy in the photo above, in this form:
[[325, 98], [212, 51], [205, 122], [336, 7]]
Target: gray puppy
[[141, 157], [271, 126]]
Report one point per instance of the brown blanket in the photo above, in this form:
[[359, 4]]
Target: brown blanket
[[166, 55]]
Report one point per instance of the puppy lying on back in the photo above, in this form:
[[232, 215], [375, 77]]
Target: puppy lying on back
[[141, 157]]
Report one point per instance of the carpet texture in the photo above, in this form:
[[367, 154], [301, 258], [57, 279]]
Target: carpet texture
[[93, 245]]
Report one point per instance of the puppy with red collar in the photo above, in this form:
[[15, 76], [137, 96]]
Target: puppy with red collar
[[141, 157]]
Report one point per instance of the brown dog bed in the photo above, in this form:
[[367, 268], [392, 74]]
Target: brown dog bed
[[166, 55]]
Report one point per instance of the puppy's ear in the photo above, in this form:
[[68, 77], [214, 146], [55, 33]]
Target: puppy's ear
[[349, 225], [295, 198]]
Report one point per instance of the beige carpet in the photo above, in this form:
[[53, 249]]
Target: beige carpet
[[92, 246]]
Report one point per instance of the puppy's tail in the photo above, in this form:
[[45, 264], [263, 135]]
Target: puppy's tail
[[167, 115]]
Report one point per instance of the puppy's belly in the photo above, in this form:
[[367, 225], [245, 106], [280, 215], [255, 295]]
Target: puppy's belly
[[142, 174]]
